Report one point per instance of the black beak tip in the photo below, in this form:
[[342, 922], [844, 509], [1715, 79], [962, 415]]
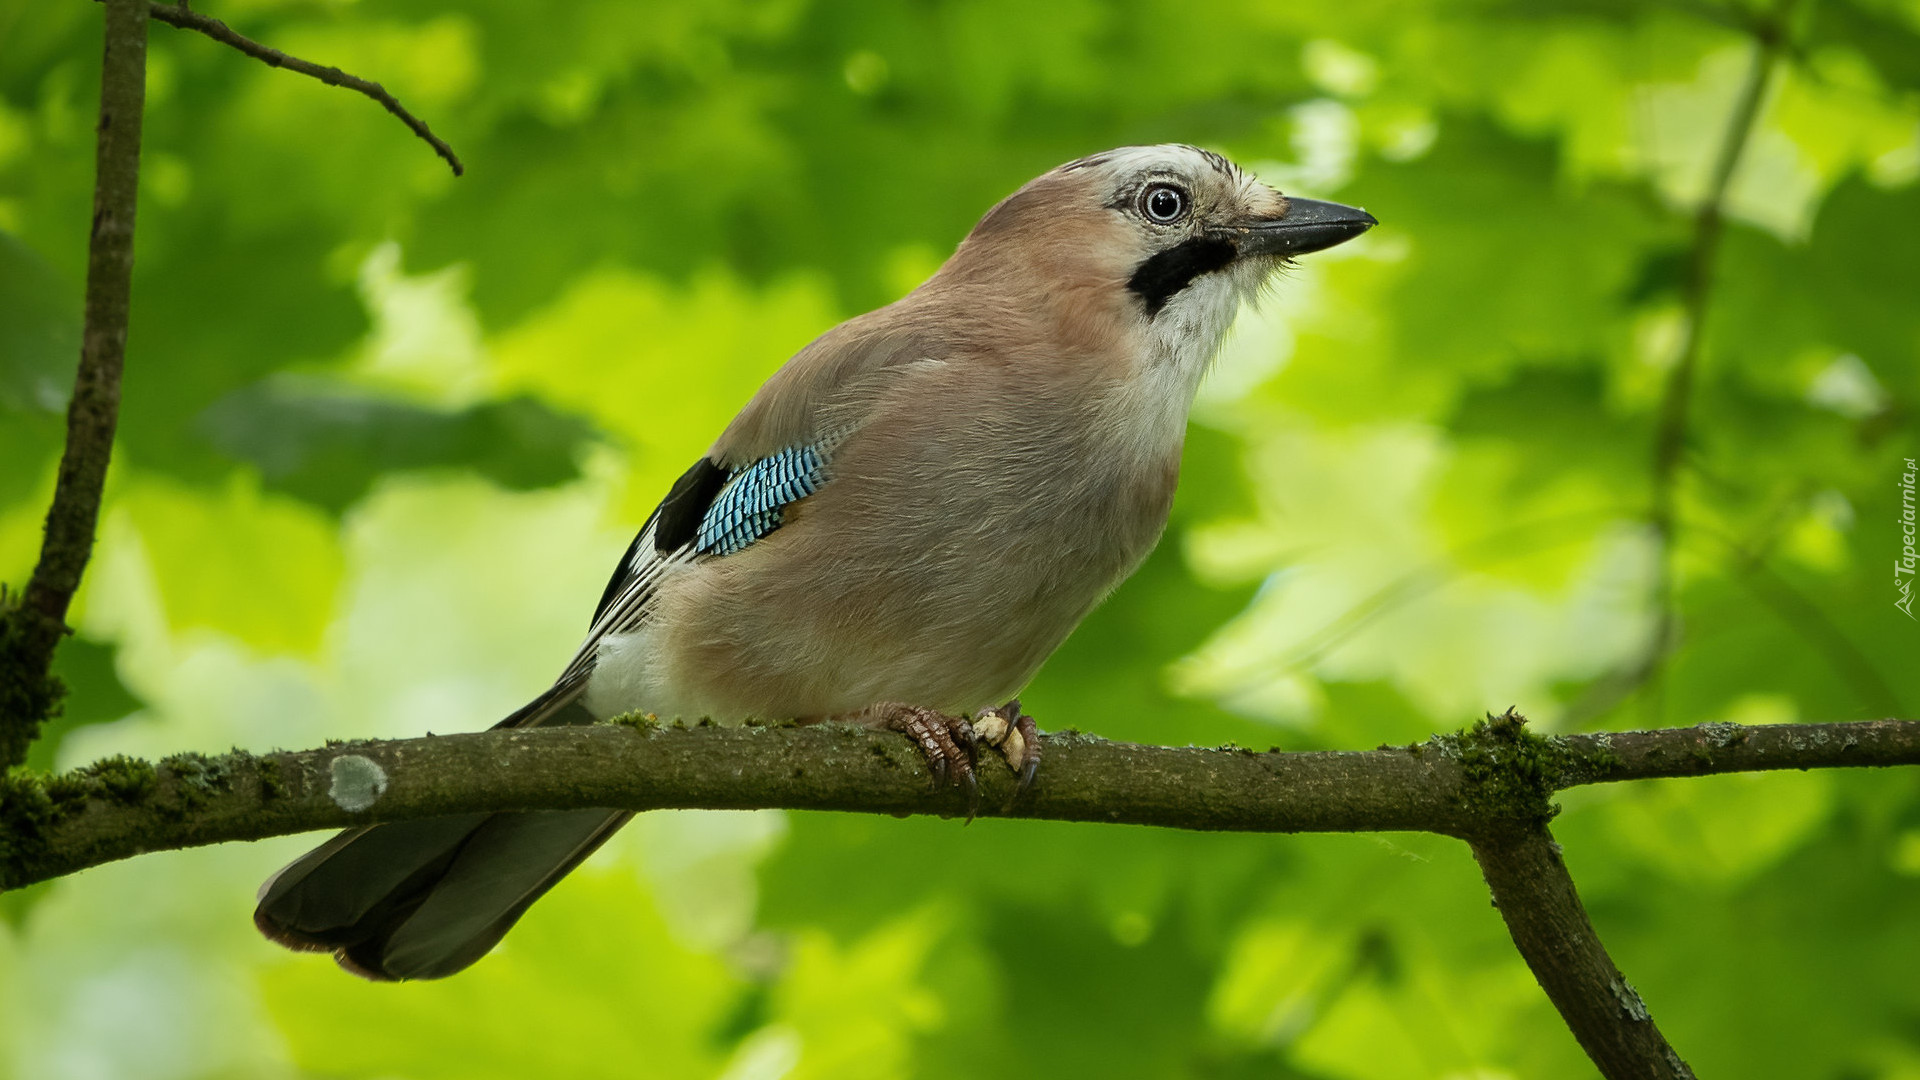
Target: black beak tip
[[1309, 225]]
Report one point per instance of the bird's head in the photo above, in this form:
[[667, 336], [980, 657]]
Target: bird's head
[[1161, 243]]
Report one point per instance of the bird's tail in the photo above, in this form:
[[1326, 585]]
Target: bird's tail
[[424, 899]]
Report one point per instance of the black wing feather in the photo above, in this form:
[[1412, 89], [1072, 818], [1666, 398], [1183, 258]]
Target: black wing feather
[[686, 505], [677, 519]]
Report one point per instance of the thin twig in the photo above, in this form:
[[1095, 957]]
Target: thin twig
[[31, 630], [1549, 925], [32, 624], [1714, 749], [1670, 436], [186, 19]]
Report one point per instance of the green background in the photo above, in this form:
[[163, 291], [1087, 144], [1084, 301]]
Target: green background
[[385, 432]]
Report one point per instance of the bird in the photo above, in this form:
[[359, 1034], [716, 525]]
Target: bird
[[896, 530]]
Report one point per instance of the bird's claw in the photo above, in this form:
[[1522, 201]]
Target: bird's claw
[[949, 744], [1013, 733]]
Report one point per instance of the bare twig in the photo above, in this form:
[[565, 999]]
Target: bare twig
[[1670, 436], [185, 19], [32, 624], [1535, 895], [31, 629], [1712, 749]]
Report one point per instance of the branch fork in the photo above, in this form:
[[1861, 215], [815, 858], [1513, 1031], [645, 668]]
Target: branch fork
[[1490, 785]]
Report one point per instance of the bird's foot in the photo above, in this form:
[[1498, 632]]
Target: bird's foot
[[1013, 733], [946, 741]]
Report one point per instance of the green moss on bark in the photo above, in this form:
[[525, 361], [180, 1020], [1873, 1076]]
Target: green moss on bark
[[31, 804], [197, 778], [1511, 773], [272, 785], [29, 693], [643, 722]]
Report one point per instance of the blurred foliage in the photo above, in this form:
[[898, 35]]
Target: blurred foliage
[[384, 432]]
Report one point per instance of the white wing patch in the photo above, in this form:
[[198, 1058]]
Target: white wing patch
[[629, 607]]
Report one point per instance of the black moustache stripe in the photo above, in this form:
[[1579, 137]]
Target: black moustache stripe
[[1165, 274]]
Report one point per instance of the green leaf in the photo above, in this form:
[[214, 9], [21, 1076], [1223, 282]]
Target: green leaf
[[328, 445]]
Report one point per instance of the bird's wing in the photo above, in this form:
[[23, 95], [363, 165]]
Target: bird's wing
[[711, 512], [775, 453]]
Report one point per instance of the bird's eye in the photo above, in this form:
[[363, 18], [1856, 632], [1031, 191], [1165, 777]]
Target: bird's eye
[[1163, 204]]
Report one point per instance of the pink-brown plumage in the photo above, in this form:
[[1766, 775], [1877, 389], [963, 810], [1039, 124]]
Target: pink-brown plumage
[[945, 488]]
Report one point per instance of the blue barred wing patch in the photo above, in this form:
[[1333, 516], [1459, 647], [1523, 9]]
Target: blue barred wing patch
[[750, 504]]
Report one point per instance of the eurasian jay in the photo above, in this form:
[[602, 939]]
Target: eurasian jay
[[901, 525]]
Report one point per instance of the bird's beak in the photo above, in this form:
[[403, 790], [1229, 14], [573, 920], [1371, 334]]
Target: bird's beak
[[1308, 225]]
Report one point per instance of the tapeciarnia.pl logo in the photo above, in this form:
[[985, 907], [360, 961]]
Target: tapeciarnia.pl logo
[[1903, 567]]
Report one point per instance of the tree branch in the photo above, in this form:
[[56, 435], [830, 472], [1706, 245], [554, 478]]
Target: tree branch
[[184, 18], [1535, 895], [1670, 437], [31, 629], [1711, 749], [1770, 34], [1465, 785], [32, 624], [1491, 785], [123, 808]]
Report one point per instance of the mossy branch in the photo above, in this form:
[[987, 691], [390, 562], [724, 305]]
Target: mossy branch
[[1769, 36], [1475, 783], [1491, 785], [32, 625], [33, 621]]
